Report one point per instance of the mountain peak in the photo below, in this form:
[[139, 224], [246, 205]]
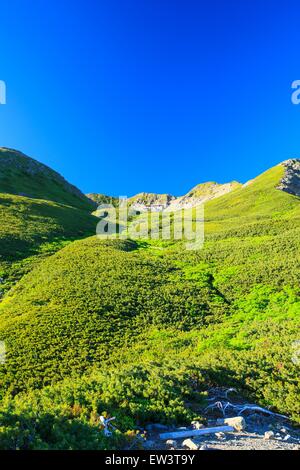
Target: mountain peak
[[23, 176]]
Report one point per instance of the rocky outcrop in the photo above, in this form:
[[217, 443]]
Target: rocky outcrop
[[143, 202], [290, 183], [165, 202], [201, 194]]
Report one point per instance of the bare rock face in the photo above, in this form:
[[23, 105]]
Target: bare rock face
[[200, 194], [290, 182]]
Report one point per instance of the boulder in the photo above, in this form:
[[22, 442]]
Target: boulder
[[190, 444], [238, 422], [269, 435], [171, 443], [197, 425], [220, 435]]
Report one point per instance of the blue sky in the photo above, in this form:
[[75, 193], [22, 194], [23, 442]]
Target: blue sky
[[123, 96]]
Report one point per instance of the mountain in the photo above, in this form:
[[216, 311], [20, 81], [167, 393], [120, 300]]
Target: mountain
[[288, 174], [23, 176], [199, 194], [202, 193], [141, 329], [40, 212], [149, 199]]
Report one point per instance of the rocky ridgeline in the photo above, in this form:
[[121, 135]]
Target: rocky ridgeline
[[144, 202], [201, 194], [165, 202], [290, 182]]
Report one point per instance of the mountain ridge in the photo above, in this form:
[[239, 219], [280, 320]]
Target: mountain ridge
[[204, 192], [22, 175]]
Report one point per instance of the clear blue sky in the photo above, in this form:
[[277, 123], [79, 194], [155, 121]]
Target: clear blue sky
[[123, 96]]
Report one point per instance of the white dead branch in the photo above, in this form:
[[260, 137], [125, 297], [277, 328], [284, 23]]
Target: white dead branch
[[107, 426], [240, 409], [221, 394]]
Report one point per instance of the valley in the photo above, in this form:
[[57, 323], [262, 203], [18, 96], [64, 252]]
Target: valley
[[142, 329]]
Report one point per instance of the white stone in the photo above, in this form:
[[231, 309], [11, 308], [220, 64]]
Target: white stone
[[238, 422], [197, 425], [171, 443], [269, 435], [190, 444]]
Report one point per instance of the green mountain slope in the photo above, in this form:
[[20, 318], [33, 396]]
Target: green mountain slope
[[33, 227], [24, 176], [259, 199], [88, 299], [137, 329]]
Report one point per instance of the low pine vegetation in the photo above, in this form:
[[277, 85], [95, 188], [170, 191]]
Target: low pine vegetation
[[31, 229], [139, 330]]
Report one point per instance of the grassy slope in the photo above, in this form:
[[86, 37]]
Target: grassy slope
[[39, 213], [228, 314], [246, 207], [22, 175], [90, 298], [32, 229], [103, 199]]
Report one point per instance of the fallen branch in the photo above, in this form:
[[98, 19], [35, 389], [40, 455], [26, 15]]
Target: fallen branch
[[240, 409], [106, 424], [195, 432]]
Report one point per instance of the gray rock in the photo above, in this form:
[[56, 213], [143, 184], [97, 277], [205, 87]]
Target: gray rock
[[190, 444], [171, 443], [197, 425], [290, 182], [269, 435], [220, 435], [204, 447]]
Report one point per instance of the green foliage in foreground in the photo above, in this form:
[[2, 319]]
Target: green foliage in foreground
[[66, 416]]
